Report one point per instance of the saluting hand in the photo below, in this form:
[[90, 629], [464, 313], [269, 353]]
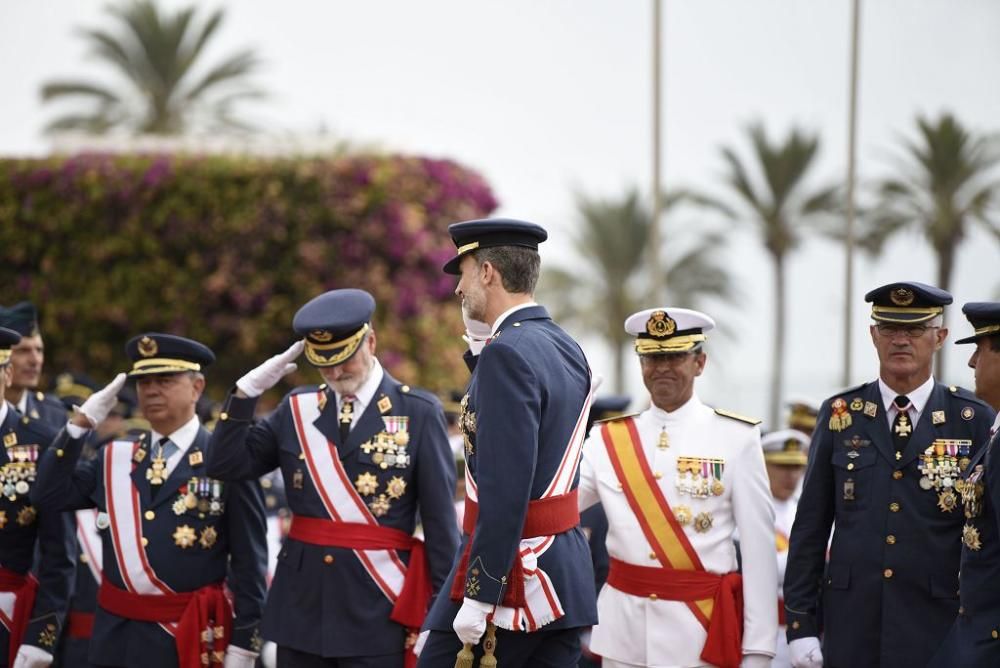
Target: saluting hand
[[97, 406], [476, 333], [267, 375]]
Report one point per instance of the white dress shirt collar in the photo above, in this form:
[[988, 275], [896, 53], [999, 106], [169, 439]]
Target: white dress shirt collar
[[366, 392], [506, 314], [182, 438], [661, 416]]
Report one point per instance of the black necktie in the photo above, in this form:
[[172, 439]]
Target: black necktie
[[346, 417], [901, 426]]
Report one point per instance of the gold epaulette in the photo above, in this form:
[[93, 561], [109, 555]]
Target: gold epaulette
[[736, 416], [617, 417]]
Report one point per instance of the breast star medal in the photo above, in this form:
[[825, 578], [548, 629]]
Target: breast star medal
[[703, 522], [26, 516], [208, 537], [396, 487], [683, 515], [184, 537], [970, 536], [947, 501], [366, 484]]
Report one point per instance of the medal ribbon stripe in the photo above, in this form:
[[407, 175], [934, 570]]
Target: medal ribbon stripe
[[90, 540], [650, 508], [122, 503], [339, 497]]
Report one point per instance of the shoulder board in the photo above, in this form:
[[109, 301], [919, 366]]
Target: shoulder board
[[306, 389], [51, 400], [967, 395], [617, 417], [419, 393], [851, 390], [737, 416]]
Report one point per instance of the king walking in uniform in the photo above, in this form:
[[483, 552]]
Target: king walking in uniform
[[524, 563], [677, 481], [174, 539], [974, 639], [883, 463], [361, 455], [32, 605]]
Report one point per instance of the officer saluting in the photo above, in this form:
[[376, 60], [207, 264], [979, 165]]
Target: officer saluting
[[676, 481], [882, 466], [524, 562], [170, 533], [31, 610], [360, 455], [974, 639]]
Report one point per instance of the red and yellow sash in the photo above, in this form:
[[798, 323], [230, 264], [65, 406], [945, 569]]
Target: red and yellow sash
[[664, 533]]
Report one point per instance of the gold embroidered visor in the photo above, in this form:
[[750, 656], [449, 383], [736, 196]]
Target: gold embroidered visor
[[154, 365], [331, 353], [905, 314], [676, 344]]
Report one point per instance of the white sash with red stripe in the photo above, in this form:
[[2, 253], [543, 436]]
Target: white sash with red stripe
[[90, 541], [7, 601], [339, 497], [122, 502], [542, 605]]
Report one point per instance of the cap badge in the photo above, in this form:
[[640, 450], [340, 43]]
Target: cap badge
[[901, 296], [321, 335], [147, 347], [660, 324]]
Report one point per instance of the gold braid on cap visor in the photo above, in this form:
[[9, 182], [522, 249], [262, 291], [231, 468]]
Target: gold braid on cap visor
[[162, 365], [677, 344], [349, 345], [885, 313], [988, 329]]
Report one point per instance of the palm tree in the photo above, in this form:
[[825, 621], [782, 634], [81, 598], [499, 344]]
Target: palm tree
[[944, 183], [156, 55], [777, 203], [611, 243]]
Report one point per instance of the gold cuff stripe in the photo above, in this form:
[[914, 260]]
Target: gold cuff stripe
[[349, 345], [988, 329], [166, 362], [677, 344], [468, 247]]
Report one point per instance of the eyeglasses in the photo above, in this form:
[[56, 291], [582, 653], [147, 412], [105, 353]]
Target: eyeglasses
[[912, 331]]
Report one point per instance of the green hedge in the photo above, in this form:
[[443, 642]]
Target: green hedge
[[225, 249]]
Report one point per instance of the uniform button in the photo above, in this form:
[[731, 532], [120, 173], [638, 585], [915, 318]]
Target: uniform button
[[850, 467], [796, 624], [890, 539], [887, 573], [328, 559], [652, 597], [149, 514], [961, 610], [83, 559], [896, 475], [145, 541], [657, 475], [59, 452], [894, 507], [223, 416], [995, 634], [652, 555]]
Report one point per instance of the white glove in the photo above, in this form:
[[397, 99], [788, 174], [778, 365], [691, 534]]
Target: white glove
[[237, 657], [418, 646], [99, 404], [267, 375], [755, 661], [470, 622], [805, 653], [29, 656], [476, 333], [269, 655]]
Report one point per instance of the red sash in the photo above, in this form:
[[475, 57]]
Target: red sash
[[724, 644], [411, 604], [546, 517], [79, 625], [204, 619], [24, 587]]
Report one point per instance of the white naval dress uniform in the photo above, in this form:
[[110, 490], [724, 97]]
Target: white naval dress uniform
[[784, 517], [659, 633]]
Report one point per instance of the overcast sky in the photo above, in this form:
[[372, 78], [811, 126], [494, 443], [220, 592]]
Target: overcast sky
[[549, 97]]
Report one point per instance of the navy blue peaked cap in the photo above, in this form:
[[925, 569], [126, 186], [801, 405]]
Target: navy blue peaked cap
[[907, 302], [334, 324], [488, 232], [8, 339], [73, 388], [985, 320], [21, 317], [155, 353]]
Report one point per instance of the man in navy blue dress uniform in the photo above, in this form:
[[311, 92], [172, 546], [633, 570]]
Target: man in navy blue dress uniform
[[524, 563], [32, 607], [26, 362], [174, 539], [974, 639], [883, 463], [361, 455]]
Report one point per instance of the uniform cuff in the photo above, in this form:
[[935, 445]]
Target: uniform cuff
[[241, 409]]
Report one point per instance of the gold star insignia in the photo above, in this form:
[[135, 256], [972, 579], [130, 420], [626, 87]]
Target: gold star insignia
[[208, 537], [379, 506], [184, 537], [366, 484], [26, 515], [396, 487]]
